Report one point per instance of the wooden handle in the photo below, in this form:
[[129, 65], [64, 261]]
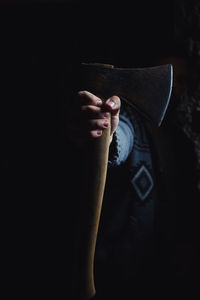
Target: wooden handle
[[93, 190], [148, 91]]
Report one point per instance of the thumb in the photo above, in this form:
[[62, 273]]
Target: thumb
[[112, 105]]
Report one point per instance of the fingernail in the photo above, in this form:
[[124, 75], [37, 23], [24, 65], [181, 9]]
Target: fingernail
[[111, 103], [105, 124], [99, 132], [99, 102], [106, 115]]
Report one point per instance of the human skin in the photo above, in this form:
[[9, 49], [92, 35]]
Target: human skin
[[89, 117]]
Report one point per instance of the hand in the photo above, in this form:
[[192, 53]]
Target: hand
[[89, 117]]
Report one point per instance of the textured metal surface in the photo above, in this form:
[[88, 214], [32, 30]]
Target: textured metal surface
[[148, 90]]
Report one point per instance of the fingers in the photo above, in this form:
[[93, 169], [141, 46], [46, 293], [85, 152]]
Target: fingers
[[113, 106], [83, 128], [90, 129], [88, 98], [90, 116], [80, 136], [93, 112], [91, 103], [92, 124], [95, 133], [97, 124]]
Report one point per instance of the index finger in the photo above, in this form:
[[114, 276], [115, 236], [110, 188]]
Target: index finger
[[88, 98]]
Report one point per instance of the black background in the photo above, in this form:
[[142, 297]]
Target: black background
[[41, 43]]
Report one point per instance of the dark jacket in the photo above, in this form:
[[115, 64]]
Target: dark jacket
[[126, 246], [137, 238]]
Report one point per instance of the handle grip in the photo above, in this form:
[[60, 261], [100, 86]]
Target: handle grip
[[95, 164]]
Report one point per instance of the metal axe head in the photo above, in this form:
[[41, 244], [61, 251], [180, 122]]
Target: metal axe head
[[148, 90]]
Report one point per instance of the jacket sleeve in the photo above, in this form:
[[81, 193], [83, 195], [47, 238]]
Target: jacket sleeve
[[122, 142]]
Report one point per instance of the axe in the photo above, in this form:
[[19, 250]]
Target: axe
[[148, 91]]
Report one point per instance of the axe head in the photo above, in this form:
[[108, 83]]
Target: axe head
[[148, 90]]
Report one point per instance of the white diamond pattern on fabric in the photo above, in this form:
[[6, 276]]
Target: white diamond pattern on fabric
[[142, 182]]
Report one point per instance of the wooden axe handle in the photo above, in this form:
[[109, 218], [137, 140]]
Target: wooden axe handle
[[95, 165], [147, 84]]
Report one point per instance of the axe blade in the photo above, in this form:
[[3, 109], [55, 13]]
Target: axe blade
[[148, 90]]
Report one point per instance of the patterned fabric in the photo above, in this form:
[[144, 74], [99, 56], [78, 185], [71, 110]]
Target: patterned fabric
[[125, 244], [142, 182]]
